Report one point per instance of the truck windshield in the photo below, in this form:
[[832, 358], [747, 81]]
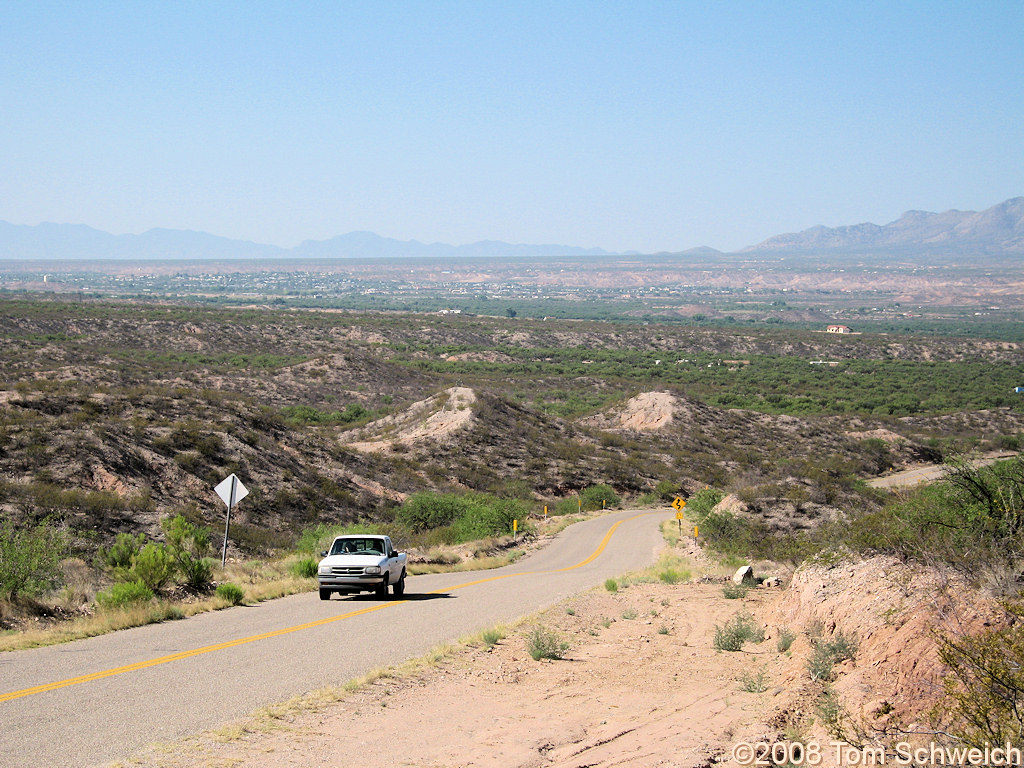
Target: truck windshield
[[358, 546]]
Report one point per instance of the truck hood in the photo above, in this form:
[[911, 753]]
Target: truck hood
[[354, 560]]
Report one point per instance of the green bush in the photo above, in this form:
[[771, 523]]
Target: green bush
[[492, 637], [699, 505], [230, 593], [123, 594], [670, 576], [119, 556], [734, 633], [489, 517], [785, 639], [189, 545], [542, 643], [305, 568], [984, 695], [612, 585], [153, 566], [827, 654], [734, 591], [566, 506], [667, 490], [754, 682], [426, 510], [457, 518], [30, 558], [973, 520], [599, 496]]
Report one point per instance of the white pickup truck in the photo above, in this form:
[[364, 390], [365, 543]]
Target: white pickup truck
[[361, 563]]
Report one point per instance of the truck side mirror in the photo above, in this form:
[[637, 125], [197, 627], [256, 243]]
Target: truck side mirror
[[323, 554]]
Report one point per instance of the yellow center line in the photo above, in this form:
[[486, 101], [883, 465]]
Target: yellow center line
[[288, 630]]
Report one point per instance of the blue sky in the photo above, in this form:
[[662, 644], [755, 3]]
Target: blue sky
[[625, 125]]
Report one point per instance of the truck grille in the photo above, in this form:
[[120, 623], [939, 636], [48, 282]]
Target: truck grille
[[347, 570]]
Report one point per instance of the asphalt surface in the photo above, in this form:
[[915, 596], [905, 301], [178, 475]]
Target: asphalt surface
[[931, 472], [94, 701]]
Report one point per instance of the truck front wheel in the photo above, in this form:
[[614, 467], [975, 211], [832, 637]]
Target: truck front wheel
[[399, 586], [382, 588], [325, 594]]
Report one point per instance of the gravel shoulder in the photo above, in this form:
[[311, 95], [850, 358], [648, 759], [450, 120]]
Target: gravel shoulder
[[639, 685]]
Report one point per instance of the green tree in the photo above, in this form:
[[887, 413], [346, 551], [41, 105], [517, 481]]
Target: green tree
[[30, 558]]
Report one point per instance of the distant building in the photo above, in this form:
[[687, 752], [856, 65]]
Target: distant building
[[838, 329]]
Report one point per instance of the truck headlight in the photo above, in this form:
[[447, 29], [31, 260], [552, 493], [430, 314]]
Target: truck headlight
[[371, 570], [324, 570]]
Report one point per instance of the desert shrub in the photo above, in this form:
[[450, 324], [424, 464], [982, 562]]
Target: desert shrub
[[701, 503], [302, 415], [492, 637], [305, 568], [666, 490], [489, 517], [985, 690], [827, 654], [425, 510], [566, 506], [30, 557], [972, 519], [754, 682], [189, 547], [123, 594], [785, 639], [153, 566], [738, 630], [831, 712], [542, 643], [612, 585], [670, 576], [230, 593], [734, 591], [120, 555], [460, 517], [598, 497]]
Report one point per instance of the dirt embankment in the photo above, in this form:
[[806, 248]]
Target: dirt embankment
[[646, 412], [431, 419]]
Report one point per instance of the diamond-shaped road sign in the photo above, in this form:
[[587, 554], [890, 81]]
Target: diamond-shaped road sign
[[231, 490]]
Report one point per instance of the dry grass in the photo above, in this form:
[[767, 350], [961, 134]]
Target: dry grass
[[104, 622]]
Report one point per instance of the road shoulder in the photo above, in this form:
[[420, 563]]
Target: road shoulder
[[640, 684]]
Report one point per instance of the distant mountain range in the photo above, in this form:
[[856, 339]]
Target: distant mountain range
[[998, 230], [65, 242]]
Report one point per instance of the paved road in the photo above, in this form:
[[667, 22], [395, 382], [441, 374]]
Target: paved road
[[102, 699], [930, 472]]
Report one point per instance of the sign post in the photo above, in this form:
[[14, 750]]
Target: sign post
[[678, 504], [515, 530], [231, 490]]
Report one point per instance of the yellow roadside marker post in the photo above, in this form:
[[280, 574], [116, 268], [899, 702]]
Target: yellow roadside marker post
[[515, 531], [545, 511]]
